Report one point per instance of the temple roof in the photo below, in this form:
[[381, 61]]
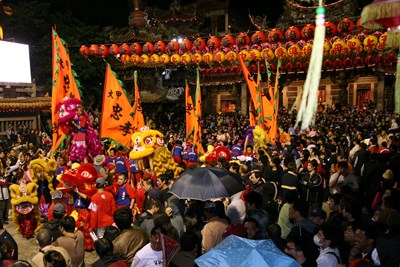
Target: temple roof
[[25, 104]]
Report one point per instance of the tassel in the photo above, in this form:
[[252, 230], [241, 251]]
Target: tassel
[[309, 101]]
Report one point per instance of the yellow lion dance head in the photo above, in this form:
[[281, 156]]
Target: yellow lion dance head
[[150, 144]]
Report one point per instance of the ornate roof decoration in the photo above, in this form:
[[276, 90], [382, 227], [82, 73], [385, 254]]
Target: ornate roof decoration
[[25, 104]]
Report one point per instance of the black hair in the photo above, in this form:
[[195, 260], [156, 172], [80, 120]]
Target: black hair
[[103, 247], [255, 198], [123, 218], [189, 241], [68, 223], [111, 232], [55, 258], [301, 206]]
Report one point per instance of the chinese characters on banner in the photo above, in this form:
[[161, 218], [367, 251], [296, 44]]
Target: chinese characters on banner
[[63, 85], [116, 116], [189, 111], [197, 118]]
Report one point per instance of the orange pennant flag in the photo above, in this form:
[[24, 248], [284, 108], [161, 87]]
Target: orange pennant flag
[[116, 119], [63, 85], [189, 111], [270, 109], [138, 117], [254, 89], [198, 115]]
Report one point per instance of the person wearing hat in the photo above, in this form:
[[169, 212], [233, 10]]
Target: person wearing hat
[[102, 208], [59, 211], [318, 216], [98, 164], [56, 197]]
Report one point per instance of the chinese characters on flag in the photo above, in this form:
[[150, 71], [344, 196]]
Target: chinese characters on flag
[[63, 85], [116, 116]]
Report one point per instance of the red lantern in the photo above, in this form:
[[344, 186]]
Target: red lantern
[[289, 67], [227, 41], [125, 49], [307, 32], [213, 43], [305, 65], [272, 68], [370, 60], [293, 33], [84, 50], [103, 50], [358, 61], [327, 64], [359, 26], [345, 25], [298, 66], [379, 59], [186, 45], [348, 63], [337, 64], [148, 48], [160, 47], [253, 68], [94, 49], [136, 48], [275, 35], [113, 50], [258, 37], [390, 59], [199, 44], [173, 46], [330, 28], [242, 39]]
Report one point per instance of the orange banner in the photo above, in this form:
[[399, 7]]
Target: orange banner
[[189, 111], [138, 117], [64, 85], [198, 115], [116, 116], [255, 91]]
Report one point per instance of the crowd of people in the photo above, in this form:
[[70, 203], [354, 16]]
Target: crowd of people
[[326, 196]]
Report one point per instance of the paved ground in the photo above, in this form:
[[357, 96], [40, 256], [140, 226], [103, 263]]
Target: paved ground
[[27, 248]]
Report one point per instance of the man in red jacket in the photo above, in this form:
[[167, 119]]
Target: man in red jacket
[[102, 208]]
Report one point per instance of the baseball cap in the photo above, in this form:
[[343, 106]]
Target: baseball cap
[[59, 209], [318, 213], [101, 182], [56, 194]]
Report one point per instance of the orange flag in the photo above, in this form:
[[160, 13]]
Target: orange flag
[[138, 117], [270, 108], [255, 91], [63, 85], [116, 119], [198, 115], [189, 111]]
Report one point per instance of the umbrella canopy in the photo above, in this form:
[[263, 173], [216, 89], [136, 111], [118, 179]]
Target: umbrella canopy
[[241, 252], [205, 183]]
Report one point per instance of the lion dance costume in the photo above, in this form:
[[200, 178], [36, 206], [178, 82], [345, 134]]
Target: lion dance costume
[[149, 144], [82, 178], [85, 142], [25, 208]]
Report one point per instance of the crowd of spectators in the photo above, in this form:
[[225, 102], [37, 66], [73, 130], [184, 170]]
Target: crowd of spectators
[[326, 196]]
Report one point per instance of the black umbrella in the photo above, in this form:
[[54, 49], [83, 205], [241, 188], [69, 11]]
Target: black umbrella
[[205, 183]]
